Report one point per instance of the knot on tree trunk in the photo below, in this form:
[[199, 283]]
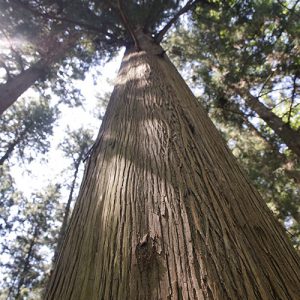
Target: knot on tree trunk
[[145, 252]]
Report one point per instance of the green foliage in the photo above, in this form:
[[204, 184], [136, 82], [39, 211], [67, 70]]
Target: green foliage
[[25, 259], [151, 14], [253, 43], [9, 203], [25, 129], [77, 143]]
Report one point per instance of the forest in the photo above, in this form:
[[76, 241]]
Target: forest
[[149, 149]]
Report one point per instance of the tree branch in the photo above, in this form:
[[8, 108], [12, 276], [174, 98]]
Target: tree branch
[[271, 91], [190, 4], [291, 10], [293, 99], [127, 24]]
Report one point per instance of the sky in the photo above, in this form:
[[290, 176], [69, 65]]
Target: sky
[[42, 173]]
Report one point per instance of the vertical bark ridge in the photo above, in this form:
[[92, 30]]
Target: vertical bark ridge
[[164, 211]]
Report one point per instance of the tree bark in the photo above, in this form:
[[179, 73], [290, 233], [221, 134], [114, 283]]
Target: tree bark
[[164, 211], [289, 136], [15, 87]]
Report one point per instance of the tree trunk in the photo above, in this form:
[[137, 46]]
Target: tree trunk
[[164, 211], [15, 87], [289, 136]]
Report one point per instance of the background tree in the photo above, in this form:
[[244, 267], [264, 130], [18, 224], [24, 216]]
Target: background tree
[[33, 227], [27, 262], [25, 128], [76, 146], [10, 200]]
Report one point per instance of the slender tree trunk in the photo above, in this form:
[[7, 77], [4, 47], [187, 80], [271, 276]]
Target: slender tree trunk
[[289, 136], [15, 87], [164, 211], [65, 222]]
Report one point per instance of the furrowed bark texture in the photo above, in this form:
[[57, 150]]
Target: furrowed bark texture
[[164, 211]]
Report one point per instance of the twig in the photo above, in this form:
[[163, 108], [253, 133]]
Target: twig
[[271, 91], [264, 84], [240, 113], [89, 153]]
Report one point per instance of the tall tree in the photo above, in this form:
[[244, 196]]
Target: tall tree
[[248, 68], [164, 210], [258, 152], [24, 268]]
